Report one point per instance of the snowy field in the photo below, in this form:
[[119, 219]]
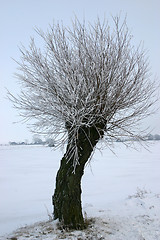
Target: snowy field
[[121, 193]]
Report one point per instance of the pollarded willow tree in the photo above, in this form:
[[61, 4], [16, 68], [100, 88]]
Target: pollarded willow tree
[[87, 82]]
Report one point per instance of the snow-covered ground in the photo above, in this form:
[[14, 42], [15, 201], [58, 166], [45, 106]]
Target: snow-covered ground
[[121, 193]]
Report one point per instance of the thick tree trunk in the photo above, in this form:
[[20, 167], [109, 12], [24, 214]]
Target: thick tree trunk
[[67, 195]]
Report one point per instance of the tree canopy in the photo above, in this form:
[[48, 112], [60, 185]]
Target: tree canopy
[[85, 76]]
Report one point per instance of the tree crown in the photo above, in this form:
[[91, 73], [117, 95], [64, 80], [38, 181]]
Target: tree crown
[[86, 76]]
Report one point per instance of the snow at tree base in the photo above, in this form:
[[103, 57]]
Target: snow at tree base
[[120, 194]]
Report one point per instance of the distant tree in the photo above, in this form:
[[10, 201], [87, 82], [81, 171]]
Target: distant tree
[[37, 140], [157, 137], [13, 143], [150, 137], [88, 81], [50, 142]]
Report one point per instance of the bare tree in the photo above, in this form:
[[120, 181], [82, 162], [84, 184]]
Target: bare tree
[[89, 81]]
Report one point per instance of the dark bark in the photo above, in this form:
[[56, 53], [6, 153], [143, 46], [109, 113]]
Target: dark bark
[[67, 195]]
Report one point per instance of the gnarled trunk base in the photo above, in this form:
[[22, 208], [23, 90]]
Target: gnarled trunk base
[[67, 196]]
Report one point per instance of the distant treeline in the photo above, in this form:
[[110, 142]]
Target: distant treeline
[[153, 137], [149, 137], [37, 141], [50, 142]]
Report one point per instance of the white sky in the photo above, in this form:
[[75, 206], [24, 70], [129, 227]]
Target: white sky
[[19, 17]]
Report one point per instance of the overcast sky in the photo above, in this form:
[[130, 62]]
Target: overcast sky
[[18, 18]]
